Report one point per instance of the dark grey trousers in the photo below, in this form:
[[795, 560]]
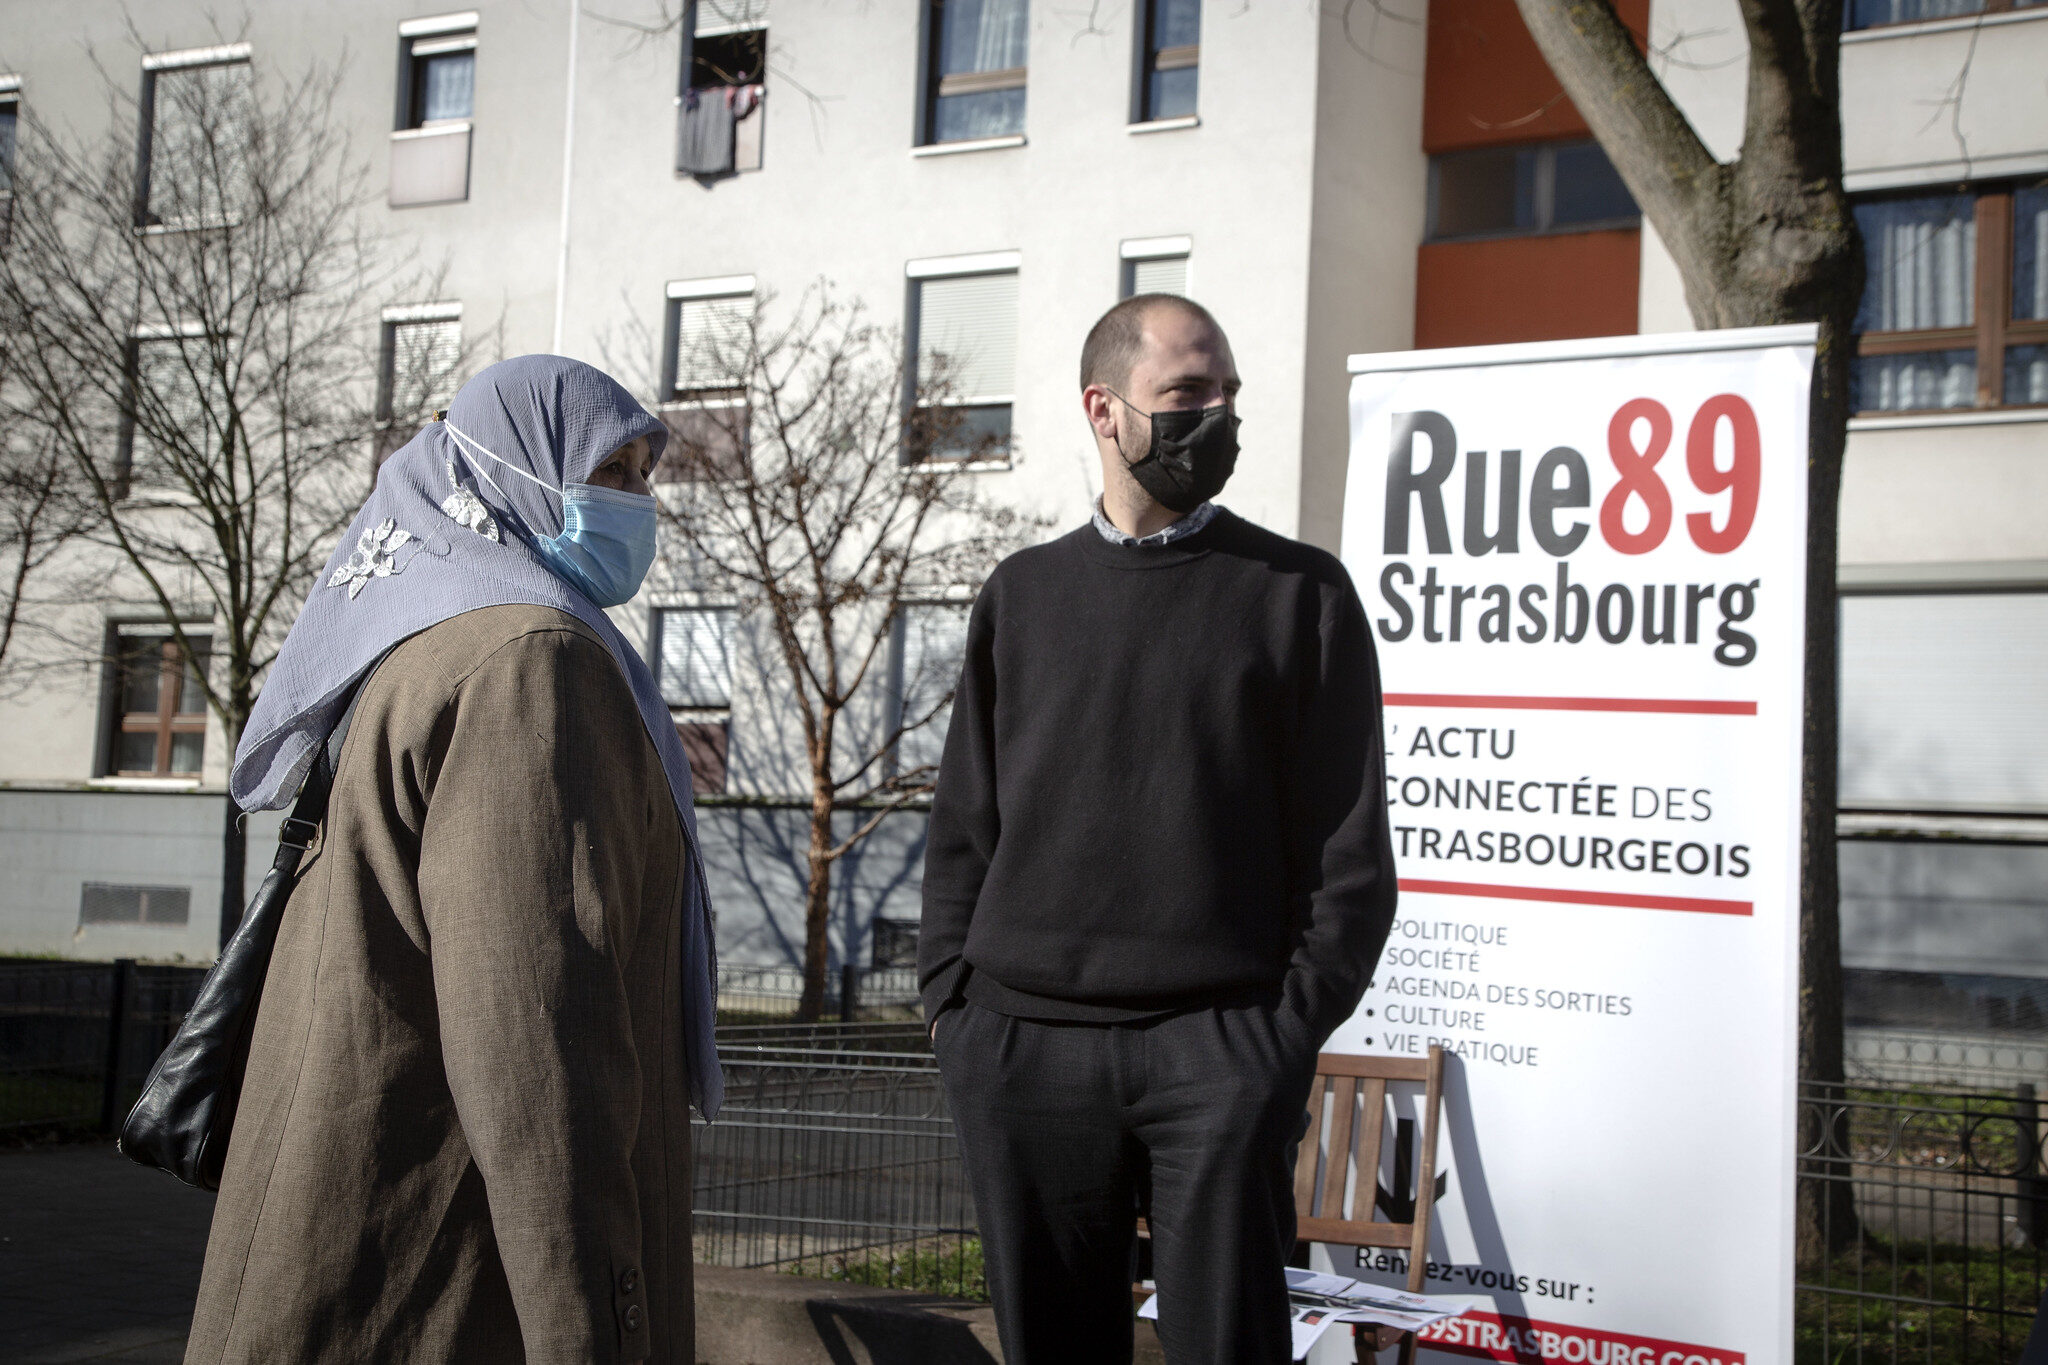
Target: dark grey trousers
[[1066, 1129]]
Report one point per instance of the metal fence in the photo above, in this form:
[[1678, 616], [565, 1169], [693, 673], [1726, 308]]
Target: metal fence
[[835, 1155], [77, 1038], [757, 994], [1937, 1254]]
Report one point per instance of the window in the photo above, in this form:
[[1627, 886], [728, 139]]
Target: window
[[975, 69], [419, 365], [1512, 191], [436, 101], [1170, 52], [1945, 701], [440, 79], [725, 61], [693, 649], [168, 423], [1955, 303], [707, 356], [197, 109], [893, 943], [107, 903], [928, 644], [10, 117], [157, 725], [1878, 13], [1155, 265], [966, 338]]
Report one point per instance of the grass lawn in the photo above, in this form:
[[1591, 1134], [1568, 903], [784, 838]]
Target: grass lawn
[[1842, 1328], [944, 1266]]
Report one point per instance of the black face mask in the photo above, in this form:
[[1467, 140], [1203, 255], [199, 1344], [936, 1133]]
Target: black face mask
[[1193, 453]]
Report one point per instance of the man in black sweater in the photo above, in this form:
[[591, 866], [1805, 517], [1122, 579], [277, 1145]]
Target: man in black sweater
[[1158, 876]]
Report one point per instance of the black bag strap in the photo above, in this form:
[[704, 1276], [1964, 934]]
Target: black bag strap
[[295, 834]]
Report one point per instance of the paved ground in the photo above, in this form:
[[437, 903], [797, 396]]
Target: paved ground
[[99, 1258]]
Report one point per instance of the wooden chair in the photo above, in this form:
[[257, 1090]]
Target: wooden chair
[[1322, 1209], [1331, 1213]]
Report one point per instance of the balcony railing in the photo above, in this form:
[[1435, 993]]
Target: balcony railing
[[430, 165]]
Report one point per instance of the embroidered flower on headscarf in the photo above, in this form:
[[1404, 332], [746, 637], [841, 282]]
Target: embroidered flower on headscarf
[[375, 556], [465, 508]]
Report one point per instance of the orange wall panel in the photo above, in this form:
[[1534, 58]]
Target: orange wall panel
[[1486, 85], [1575, 284]]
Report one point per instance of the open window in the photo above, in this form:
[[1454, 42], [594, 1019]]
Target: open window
[[436, 103], [719, 119]]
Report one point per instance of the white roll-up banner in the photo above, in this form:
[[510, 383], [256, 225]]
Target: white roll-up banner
[[1584, 564]]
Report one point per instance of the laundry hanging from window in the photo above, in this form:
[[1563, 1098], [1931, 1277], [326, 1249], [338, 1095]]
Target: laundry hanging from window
[[708, 141]]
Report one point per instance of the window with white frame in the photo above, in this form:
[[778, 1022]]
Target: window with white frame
[[198, 108], [1170, 54], [707, 357], [419, 369], [975, 69], [965, 322], [929, 642], [1155, 265], [693, 648]]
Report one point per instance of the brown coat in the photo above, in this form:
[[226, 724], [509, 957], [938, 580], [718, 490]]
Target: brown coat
[[464, 1135]]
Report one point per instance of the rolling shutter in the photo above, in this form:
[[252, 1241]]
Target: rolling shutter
[[712, 342], [1945, 701], [971, 321], [1160, 275], [696, 656]]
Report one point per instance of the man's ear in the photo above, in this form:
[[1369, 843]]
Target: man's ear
[[1101, 411]]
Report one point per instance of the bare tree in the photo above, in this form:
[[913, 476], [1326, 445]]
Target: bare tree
[[44, 512], [1767, 237], [185, 306], [823, 485]]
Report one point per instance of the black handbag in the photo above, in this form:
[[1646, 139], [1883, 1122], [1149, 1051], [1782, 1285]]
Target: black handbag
[[187, 1110]]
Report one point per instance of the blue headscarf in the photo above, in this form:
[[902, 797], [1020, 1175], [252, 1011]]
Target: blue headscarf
[[444, 532]]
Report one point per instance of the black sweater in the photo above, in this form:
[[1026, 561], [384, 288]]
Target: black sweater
[[1163, 786]]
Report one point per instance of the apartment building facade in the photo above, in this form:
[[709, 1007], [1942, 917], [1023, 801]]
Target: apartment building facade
[[990, 174]]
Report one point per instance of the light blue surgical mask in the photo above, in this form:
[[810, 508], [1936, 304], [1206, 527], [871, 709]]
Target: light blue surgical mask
[[606, 545], [607, 540]]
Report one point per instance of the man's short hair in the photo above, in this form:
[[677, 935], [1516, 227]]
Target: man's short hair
[[1118, 336]]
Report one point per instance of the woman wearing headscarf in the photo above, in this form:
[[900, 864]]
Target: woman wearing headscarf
[[464, 1128]]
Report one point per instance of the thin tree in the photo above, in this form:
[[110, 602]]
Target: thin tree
[[44, 512], [185, 301], [1767, 237], [823, 484]]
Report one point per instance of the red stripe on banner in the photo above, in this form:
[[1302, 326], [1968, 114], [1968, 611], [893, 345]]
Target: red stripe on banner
[[1625, 899], [1530, 1341], [1668, 705]]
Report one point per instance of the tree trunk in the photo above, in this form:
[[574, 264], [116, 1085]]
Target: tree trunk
[[234, 858], [818, 893], [234, 845], [1826, 1219]]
